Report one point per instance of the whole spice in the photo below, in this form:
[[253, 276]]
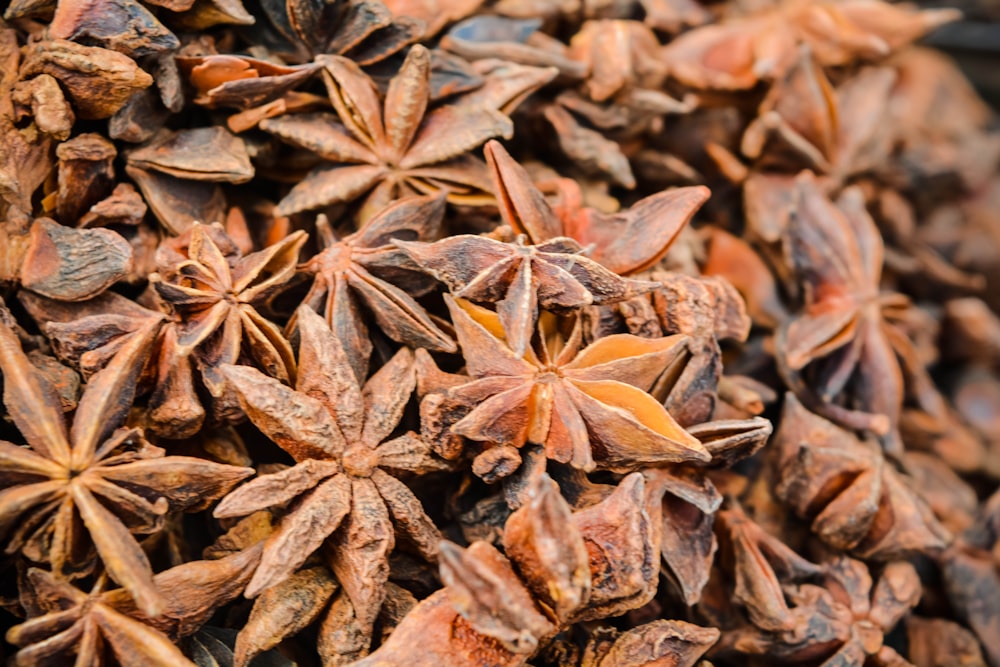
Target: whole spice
[[570, 333]]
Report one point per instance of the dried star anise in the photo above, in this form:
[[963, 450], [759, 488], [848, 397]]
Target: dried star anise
[[521, 279], [363, 267], [854, 497], [204, 314], [343, 487], [294, 375], [96, 474], [587, 406], [65, 620], [387, 149], [567, 569]]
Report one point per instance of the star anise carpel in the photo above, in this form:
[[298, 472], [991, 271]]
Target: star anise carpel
[[521, 279], [93, 473], [385, 149], [608, 238]]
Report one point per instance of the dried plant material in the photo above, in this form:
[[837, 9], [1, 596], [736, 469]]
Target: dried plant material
[[837, 251], [70, 264], [707, 310], [240, 82], [94, 473], [344, 491], [737, 54], [657, 219], [855, 499], [365, 30], [587, 406], [385, 149], [936, 642], [99, 82], [515, 40], [125, 26], [554, 276], [205, 315], [362, 269], [202, 154], [430, 407], [488, 608], [87, 624]]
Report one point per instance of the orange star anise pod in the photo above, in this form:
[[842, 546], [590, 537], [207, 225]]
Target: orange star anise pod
[[384, 150], [588, 407], [364, 270], [95, 480], [342, 488], [65, 621]]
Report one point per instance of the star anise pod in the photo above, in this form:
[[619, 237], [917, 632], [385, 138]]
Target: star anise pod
[[127, 26], [737, 53], [587, 406], [385, 149], [95, 473], [843, 332], [342, 488], [854, 497], [688, 499], [840, 615], [65, 620], [707, 310], [520, 278], [560, 566], [205, 312], [62, 262], [366, 31], [610, 239], [181, 173], [363, 269]]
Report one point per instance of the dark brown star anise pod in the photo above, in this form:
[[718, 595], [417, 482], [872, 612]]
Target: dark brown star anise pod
[[560, 567], [62, 262], [688, 500], [385, 149], [609, 239], [843, 332], [95, 484], [855, 498], [342, 488], [128, 26], [65, 621], [838, 616], [660, 643], [521, 278], [363, 269], [587, 406], [366, 31], [205, 312]]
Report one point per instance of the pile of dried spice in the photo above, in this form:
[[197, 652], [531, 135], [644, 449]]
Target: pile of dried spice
[[587, 333]]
